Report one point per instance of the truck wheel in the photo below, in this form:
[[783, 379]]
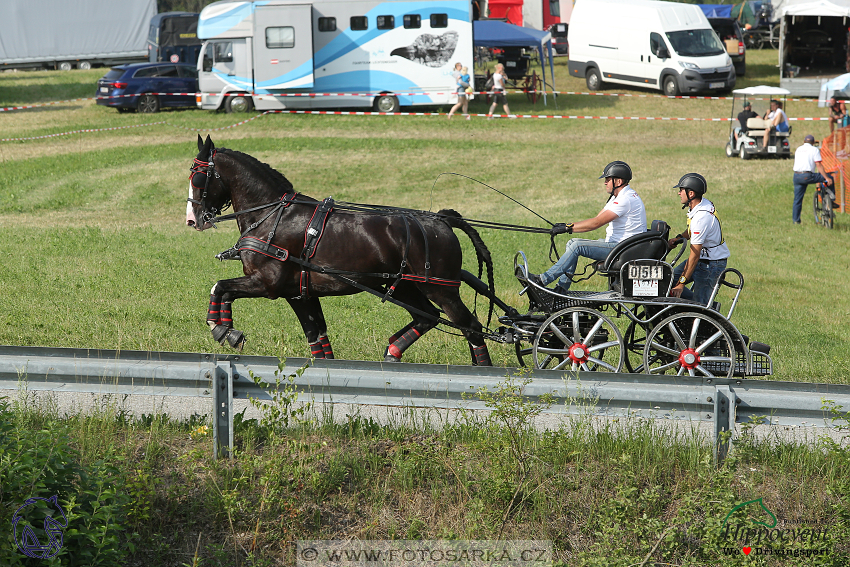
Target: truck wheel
[[84, 65], [593, 79], [64, 66], [148, 104], [671, 88], [238, 103], [386, 103]]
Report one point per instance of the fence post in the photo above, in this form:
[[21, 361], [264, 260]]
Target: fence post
[[223, 409], [724, 420]]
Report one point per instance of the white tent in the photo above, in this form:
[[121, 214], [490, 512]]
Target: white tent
[[814, 8]]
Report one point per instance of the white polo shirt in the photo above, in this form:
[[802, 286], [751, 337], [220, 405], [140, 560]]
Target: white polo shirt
[[631, 216], [805, 158], [705, 229]]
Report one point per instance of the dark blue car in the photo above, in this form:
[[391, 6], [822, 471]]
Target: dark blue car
[[147, 82]]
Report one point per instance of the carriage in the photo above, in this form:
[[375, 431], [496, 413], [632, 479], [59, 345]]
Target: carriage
[[634, 325], [298, 248]]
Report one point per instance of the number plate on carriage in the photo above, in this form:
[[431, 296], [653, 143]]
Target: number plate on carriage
[[645, 280], [645, 272]]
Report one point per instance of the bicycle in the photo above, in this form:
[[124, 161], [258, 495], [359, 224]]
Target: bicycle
[[823, 199]]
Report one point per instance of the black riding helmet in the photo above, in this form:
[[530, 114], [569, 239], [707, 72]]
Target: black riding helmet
[[692, 182], [618, 169]]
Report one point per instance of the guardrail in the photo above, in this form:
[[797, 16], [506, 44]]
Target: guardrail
[[224, 378]]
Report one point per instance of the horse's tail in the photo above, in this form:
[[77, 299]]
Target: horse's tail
[[455, 220]]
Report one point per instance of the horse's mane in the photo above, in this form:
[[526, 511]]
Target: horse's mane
[[273, 176]]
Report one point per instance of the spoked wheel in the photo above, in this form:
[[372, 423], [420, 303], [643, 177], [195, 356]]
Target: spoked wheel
[[635, 340], [689, 344], [818, 206], [579, 339], [828, 214]]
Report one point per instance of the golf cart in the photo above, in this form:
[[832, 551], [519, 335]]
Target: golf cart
[[746, 141]]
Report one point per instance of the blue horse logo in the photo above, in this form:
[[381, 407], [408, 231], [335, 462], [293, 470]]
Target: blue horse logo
[[25, 537]]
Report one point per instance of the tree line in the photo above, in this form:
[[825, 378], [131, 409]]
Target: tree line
[[181, 5]]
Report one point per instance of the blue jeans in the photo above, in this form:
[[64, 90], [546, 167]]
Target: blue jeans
[[576, 247], [705, 276], [801, 182]]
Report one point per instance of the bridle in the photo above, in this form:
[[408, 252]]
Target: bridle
[[207, 215]]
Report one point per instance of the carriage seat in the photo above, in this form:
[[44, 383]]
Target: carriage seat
[[650, 245], [757, 126]]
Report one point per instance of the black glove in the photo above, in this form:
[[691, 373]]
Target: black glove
[[561, 228]]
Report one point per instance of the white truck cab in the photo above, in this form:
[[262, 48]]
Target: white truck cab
[[661, 45]]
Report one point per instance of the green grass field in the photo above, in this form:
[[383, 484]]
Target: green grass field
[[97, 254]]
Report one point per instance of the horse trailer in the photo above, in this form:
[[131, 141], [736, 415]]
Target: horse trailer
[[278, 54]]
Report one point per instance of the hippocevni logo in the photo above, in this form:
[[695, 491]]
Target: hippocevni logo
[[755, 529], [39, 526]]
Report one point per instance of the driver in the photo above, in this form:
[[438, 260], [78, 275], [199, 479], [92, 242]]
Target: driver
[[743, 116], [708, 254], [624, 214]]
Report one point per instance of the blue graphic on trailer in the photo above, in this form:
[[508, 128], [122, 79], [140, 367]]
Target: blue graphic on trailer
[[26, 538]]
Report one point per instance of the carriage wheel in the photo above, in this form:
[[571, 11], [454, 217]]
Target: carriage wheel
[[579, 339], [689, 343], [523, 353], [530, 87], [635, 340]]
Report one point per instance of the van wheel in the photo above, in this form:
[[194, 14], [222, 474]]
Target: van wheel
[[238, 103], [386, 103], [671, 88], [594, 79], [730, 152]]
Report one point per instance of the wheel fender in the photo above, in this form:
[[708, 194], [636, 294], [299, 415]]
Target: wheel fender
[[667, 71]]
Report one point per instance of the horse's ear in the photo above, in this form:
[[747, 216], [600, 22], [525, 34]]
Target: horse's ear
[[200, 143], [209, 144]]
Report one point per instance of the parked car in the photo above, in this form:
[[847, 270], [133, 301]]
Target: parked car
[[146, 82], [729, 32]]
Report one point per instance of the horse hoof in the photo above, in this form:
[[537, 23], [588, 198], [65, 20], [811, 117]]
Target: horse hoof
[[236, 339], [391, 358], [219, 332]]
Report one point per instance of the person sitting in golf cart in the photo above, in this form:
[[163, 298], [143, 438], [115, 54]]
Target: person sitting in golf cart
[[743, 116], [777, 119]]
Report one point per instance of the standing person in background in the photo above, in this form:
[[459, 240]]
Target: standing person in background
[[808, 169], [499, 91], [462, 96], [709, 253], [778, 121], [837, 114]]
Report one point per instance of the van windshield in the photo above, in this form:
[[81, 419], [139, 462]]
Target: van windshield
[[695, 43]]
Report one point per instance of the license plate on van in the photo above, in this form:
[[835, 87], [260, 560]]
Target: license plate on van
[[716, 85]]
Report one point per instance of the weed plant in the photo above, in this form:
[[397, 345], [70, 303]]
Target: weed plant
[[615, 492]]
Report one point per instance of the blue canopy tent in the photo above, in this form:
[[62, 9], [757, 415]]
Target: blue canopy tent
[[717, 10], [493, 33]]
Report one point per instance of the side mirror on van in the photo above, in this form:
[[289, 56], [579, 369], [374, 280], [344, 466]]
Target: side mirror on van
[[662, 53]]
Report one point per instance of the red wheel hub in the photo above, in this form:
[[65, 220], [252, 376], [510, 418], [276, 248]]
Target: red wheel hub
[[689, 358], [579, 353]]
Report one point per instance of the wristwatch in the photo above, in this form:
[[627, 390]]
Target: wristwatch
[[683, 280]]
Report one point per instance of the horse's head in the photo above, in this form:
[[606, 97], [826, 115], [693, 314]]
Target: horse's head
[[207, 194]]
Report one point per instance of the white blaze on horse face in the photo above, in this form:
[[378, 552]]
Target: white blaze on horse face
[[190, 215]]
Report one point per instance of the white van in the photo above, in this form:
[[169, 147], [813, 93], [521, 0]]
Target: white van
[[662, 45]]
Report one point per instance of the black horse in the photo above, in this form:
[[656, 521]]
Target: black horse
[[301, 249]]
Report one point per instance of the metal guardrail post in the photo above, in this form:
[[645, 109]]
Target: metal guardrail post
[[223, 409], [724, 420]]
